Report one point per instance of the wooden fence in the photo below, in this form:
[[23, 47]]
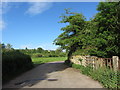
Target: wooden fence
[[119, 64], [95, 62]]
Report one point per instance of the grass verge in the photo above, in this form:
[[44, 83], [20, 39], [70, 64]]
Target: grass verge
[[41, 60]]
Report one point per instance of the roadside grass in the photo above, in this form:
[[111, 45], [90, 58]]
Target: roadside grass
[[42, 60], [108, 78]]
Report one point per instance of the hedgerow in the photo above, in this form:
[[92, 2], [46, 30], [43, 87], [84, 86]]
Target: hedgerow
[[14, 63]]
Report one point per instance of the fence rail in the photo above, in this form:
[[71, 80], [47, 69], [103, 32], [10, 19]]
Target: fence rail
[[108, 62], [95, 62]]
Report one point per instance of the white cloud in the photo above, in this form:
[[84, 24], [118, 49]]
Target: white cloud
[[4, 8], [38, 7], [2, 24]]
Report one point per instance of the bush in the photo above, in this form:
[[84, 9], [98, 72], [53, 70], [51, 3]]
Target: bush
[[107, 77], [13, 63], [36, 55], [52, 55]]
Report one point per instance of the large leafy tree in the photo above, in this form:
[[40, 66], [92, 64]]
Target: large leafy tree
[[100, 36], [73, 33], [107, 32]]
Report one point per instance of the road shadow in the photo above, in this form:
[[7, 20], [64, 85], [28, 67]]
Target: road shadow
[[36, 75]]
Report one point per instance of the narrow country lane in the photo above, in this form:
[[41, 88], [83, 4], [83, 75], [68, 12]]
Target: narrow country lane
[[53, 75]]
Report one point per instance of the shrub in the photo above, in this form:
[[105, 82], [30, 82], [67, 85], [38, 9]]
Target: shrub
[[107, 77], [53, 55], [13, 63], [36, 55]]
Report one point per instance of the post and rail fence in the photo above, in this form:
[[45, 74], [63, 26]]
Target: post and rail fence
[[112, 63]]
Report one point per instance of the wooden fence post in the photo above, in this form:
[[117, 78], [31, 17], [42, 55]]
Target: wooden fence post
[[115, 60]]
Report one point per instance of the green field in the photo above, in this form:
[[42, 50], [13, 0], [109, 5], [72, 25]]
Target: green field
[[42, 60]]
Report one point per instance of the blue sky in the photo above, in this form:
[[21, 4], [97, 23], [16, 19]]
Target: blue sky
[[36, 25]]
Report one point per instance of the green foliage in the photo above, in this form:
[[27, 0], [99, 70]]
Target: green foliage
[[39, 52], [99, 37], [14, 63], [8, 46], [105, 76], [80, 61], [81, 52], [84, 70], [2, 45], [36, 55], [107, 31], [77, 66], [67, 40]]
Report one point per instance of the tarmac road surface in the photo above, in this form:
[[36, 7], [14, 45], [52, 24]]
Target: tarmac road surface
[[53, 75]]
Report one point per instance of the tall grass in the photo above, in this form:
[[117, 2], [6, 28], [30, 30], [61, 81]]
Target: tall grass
[[14, 63]]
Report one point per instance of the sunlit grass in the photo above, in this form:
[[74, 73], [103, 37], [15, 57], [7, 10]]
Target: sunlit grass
[[42, 60]]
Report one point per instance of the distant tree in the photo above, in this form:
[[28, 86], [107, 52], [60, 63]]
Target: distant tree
[[3, 46], [45, 51], [8, 46], [34, 50], [52, 51], [39, 50], [59, 50], [26, 48]]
